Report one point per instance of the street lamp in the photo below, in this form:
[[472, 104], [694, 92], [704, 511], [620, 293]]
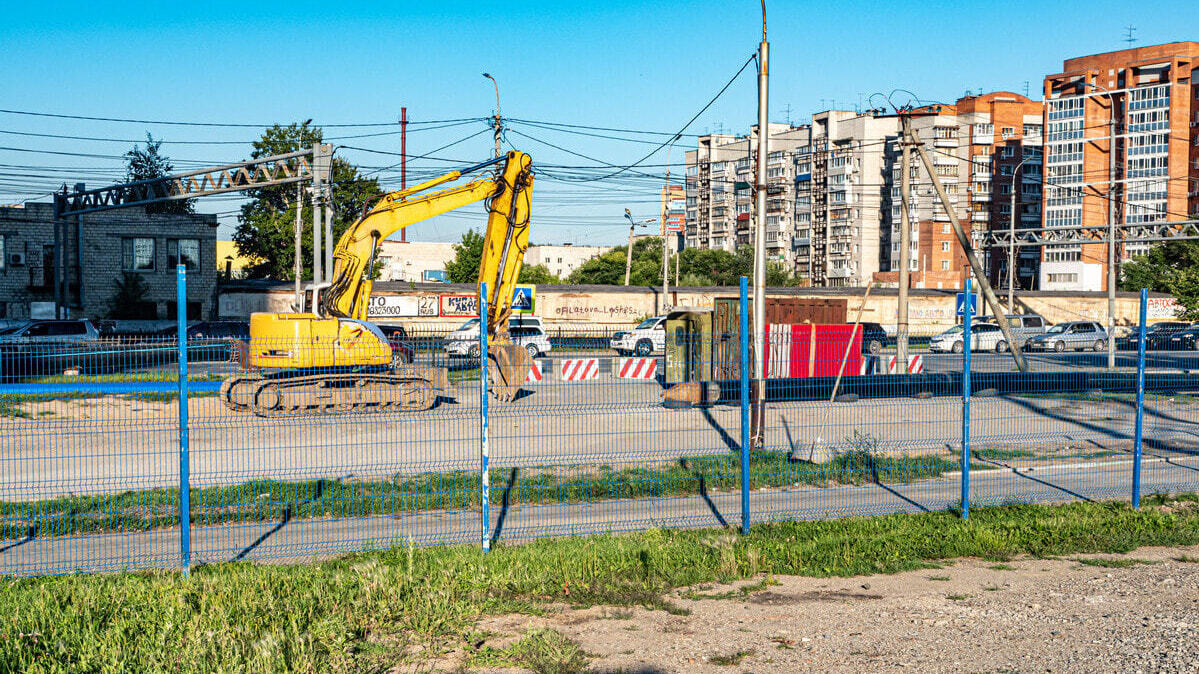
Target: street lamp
[[1011, 244], [628, 261], [1111, 224], [665, 225], [498, 125]]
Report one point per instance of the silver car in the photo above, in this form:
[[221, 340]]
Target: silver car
[[1072, 336]]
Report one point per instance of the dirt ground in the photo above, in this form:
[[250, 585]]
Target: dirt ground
[[1139, 613]]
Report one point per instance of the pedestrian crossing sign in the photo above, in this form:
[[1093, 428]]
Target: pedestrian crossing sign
[[524, 299]]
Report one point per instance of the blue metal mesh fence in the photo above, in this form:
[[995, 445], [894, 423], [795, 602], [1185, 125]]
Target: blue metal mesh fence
[[91, 463]]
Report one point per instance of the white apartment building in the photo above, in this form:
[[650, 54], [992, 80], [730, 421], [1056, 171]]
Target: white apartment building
[[842, 198], [563, 260], [720, 192], [410, 260]]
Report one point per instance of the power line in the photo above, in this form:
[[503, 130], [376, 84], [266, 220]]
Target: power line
[[221, 124]]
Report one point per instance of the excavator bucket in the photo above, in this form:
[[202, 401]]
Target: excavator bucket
[[507, 367]]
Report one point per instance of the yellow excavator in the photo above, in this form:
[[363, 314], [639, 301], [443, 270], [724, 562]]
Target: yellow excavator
[[333, 361]]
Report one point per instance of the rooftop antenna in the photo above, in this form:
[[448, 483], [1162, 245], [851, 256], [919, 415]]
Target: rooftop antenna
[[1026, 88], [1129, 37], [787, 111]]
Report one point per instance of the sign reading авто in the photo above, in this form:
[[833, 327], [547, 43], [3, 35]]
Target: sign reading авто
[[524, 301]]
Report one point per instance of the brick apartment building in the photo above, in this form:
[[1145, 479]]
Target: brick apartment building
[[98, 248], [982, 148], [1151, 94]]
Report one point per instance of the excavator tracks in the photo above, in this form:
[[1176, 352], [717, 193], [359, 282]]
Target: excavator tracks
[[341, 393]]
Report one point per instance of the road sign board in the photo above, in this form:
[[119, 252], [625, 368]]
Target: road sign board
[[960, 304]]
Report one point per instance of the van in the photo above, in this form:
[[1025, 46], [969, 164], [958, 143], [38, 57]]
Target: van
[[1023, 326]]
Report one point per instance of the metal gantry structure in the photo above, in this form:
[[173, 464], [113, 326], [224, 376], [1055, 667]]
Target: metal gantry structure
[[310, 164], [1147, 232]]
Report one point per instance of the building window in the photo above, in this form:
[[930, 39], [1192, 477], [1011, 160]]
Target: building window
[[183, 251], [137, 254], [1063, 278], [944, 246], [1007, 131], [945, 228], [3, 257], [944, 265]]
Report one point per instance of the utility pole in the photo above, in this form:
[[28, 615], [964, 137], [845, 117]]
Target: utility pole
[[1111, 224], [499, 125], [975, 265], [317, 214], [905, 244], [666, 235], [403, 159], [299, 246], [759, 308], [628, 257]]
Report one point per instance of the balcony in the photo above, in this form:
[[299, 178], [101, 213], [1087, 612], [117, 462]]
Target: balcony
[[980, 216]]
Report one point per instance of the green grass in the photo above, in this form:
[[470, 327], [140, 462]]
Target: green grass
[[372, 611], [269, 500], [1108, 563], [731, 659], [957, 597], [1002, 567], [122, 378], [543, 651], [1000, 454]]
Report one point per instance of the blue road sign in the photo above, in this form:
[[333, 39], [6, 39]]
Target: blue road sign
[[960, 304]]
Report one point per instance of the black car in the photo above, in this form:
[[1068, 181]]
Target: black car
[[1183, 340], [1158, 335], [874, 338]]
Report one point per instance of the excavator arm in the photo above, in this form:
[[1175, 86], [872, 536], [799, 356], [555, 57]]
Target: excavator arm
[[508, 195]]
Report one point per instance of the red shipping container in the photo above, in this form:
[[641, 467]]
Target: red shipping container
[[812, 350]]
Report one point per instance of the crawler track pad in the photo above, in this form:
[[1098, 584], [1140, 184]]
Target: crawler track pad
[[507, 367]]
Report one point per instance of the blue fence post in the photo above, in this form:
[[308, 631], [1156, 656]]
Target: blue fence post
[[185, 532], [484, 450], [743, 368], [1136, 446], [967, 344]]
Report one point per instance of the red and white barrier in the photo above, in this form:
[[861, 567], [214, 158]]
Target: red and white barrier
[[535, 373], [915, 365], [578, 369], [636, 368]]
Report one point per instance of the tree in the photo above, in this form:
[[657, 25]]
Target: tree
[[537, 274], [265, 230], [468, 254], [1173, 268], [149, 164], [128, 299], [697, 267]]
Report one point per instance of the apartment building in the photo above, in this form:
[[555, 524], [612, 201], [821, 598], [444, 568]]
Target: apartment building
[[720, 191], [1151, 95], [980, 146], [564, 259], [841, 198]]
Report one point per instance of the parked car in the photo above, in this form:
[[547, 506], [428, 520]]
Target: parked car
[[532, 337], [1023, 327], [206, 340], [1072, 336], [470, 329], [874, 338], [1187, 339], [78, 330], [403, 350], [647, 338], [1158, 335], [983, 337]]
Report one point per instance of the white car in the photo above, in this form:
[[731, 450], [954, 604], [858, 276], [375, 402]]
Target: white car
[[532, 337], [983, 337], [646, 339], [470, 329]]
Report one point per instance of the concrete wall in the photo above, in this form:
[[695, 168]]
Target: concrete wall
[[929, 311]]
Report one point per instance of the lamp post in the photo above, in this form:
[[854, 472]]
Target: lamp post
[[498, 124], [759, 307], [666, 225], [1011, 244], [1111, 224]]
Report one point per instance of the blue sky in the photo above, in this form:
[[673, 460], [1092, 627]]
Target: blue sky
[[626, 65]]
